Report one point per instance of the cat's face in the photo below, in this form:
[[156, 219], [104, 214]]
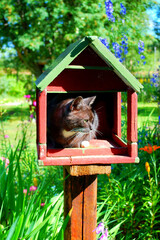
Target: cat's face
[[80, 117], [74, 121], [81, 122]]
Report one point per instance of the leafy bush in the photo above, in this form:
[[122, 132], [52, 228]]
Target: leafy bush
[[27, 210], [9, 86], [134, 192]]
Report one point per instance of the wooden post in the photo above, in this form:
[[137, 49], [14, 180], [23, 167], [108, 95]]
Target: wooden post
[[117, 114], [41, 123], [80, 195], [132, 124]]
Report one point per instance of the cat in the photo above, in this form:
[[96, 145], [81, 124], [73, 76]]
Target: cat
[[73, 121]]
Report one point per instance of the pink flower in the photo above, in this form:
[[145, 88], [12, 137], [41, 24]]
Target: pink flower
[[42, 204], [31, 116], [99, 228], [104, 236], [34, 103], [6, 162], [6, 136], [27, 96], [32, 188], [25, 191]]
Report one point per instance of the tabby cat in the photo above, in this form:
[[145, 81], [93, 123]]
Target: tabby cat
[[73, 121]]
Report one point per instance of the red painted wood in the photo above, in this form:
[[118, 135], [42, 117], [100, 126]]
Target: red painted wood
[[37, 116], [117, 114], [104, 108], [133, 150], [86, 151], [97, 147], [41, 151], [119, 141], [132, 116], [86, 160], [88, 58], [64, 152], [97, 80], [42, 116], [80, 195]]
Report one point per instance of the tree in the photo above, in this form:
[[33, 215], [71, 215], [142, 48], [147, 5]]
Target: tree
[[40, 30], [157, 24]]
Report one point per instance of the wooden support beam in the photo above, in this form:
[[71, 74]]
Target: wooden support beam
[[132, 116], [117, 114], [80, 195], [88, 170], [73, 199], [132, 124], [42, 116], [89, 207], [89, 67]]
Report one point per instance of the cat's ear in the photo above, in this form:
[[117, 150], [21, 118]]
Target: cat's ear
[[76, 103], [89, 101]]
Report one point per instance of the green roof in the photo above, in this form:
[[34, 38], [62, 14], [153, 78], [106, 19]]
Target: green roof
[[74, 50]]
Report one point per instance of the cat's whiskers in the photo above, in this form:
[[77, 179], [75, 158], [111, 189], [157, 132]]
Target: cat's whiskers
[[97, 110], [99, 132]]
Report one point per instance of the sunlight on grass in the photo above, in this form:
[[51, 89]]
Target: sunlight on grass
[[13, 121], [147, 114]]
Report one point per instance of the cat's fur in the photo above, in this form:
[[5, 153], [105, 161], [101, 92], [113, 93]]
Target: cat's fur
[[73, 121]]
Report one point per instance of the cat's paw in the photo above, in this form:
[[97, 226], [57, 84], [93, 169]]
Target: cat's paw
[[85, 144]]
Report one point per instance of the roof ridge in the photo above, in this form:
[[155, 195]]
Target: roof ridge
[[74, 49]]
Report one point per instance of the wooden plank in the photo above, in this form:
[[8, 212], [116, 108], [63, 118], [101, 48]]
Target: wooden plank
[[73, 199], [90, 207], [86, 160], [119, 141], [42, 116], [80, 195], [37, 116], [117, 114], [132, 116], [87, 80], [88, 67], [61, 62], [69, 152], [42, 149], [88, 170], [133, 149]]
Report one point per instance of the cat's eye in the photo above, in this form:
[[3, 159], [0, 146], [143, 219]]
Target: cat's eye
[[86, 120]]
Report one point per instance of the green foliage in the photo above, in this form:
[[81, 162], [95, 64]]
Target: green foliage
[[41, 30], [156, 22], [10, 86], [131, 193], [22, 214]]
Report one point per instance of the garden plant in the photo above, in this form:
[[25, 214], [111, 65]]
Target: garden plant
[[31, 197]]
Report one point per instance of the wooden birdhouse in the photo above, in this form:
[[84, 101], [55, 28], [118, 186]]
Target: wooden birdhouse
[[88, 68]]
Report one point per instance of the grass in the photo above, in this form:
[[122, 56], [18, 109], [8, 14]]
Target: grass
[[13, 118], [147, 114]]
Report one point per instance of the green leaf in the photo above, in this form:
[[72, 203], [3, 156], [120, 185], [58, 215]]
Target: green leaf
[[12, 230]]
